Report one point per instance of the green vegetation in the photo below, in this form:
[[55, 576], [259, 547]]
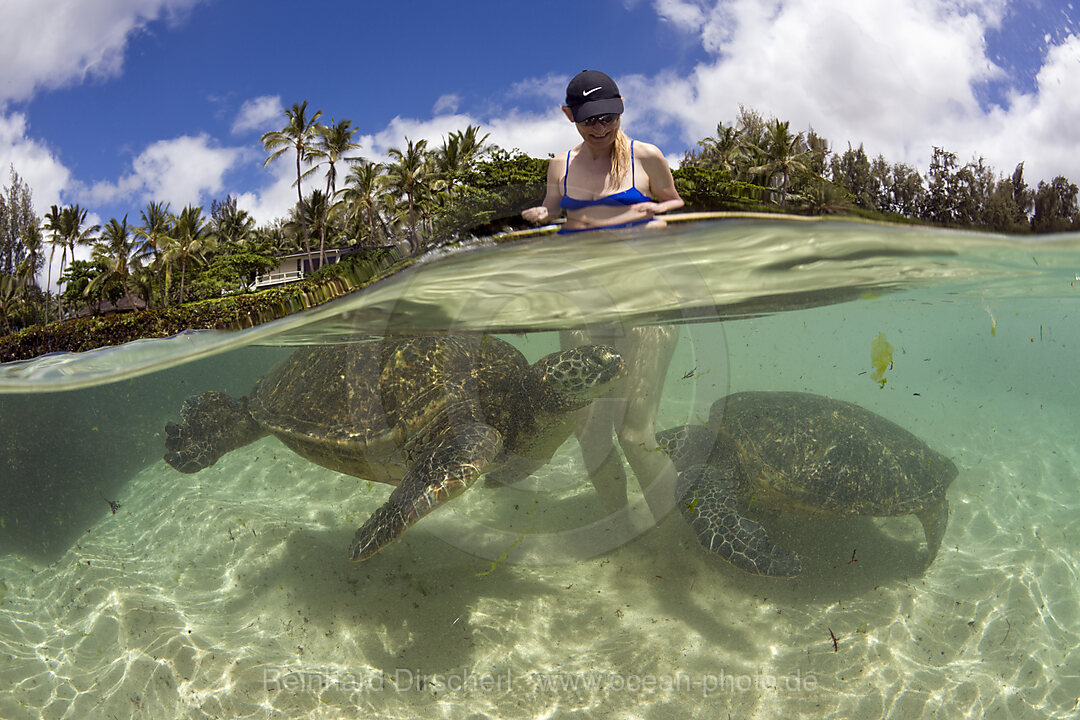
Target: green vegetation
[[190, 269], [231, 312], [799, 173]]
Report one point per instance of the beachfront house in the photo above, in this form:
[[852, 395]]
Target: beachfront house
[[295, 266]]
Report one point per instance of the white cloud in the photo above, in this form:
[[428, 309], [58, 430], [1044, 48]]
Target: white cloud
[[447, 104], [178, 171], [262, 113], [899, 76], [536, 135], [1040, 128], [685, 15], [275, 199], [375, 146], [863, 71], [48, 178], [551, 88], [52, 43], [33, 160]]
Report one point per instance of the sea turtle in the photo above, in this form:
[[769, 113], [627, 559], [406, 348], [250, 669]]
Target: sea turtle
[[429, 414], [805, 454]]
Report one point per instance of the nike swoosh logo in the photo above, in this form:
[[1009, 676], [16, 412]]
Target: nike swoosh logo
[[590, 92]]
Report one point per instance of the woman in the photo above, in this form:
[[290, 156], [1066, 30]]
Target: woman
[[606, 182]]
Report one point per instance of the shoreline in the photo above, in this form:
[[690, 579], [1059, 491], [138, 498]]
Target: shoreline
[[247, 310]]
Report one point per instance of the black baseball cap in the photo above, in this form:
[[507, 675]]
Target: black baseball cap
[[590, 93]]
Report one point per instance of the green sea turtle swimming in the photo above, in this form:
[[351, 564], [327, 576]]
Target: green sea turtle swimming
[[429, 414], [804, 454]]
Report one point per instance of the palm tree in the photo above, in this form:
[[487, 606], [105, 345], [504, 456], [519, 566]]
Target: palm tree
[[395, 216], [52, 224], [154, 233], [723, 151], [312, 214], [333, 142], [363, 187], [299, 135], [189, 241], [753, 132], [272, 239], [35, 257], [784, 154], [143, 279], [459, 153], [407, 176], [9, 295], [72, 234], [26, 272], [156, 227], [115, 252], [229, 223]]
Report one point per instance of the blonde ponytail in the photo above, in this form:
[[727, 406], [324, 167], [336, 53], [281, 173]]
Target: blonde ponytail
[[620, 160]]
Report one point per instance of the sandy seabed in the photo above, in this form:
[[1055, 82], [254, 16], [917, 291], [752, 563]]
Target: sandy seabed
[[227, 594]]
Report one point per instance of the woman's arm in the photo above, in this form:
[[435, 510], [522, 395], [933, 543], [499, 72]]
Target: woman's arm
[[549, 209], [661, 183]]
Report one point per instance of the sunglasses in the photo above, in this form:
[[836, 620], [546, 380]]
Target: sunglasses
[[605, 119]]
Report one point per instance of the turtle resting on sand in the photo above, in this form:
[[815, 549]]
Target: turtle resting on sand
[[804, 454], [429, 414]]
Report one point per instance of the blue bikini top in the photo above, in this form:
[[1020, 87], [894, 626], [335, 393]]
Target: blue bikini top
[[630, 196]]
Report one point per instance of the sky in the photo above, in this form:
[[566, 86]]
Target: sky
[[113, 104]]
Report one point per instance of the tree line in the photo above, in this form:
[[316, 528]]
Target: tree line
[[423, 196], [803, 174]]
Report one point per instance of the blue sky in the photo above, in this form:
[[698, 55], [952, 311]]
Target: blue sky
[[113, 103]]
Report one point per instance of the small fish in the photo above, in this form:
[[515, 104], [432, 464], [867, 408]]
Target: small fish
[[692, 505]]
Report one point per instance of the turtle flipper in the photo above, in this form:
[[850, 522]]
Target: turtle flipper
[[460, 457], [709, 503], [686, 445], [934, 519], [212, 424]]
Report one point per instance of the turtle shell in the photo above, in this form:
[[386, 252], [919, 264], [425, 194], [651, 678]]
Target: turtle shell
[[362, 408], [819, 456]]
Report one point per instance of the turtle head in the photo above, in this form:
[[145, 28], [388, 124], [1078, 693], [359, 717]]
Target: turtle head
[[687, 445], [571, 379]]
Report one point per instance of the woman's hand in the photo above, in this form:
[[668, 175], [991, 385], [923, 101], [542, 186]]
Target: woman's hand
[[535, 215], [648, 209]]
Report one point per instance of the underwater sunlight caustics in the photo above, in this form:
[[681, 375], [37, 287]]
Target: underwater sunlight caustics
[[856, 498]]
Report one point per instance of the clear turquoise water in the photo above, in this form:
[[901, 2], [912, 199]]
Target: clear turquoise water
[[227, 593]]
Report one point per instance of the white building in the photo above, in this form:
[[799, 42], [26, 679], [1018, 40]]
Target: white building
[[294, 267]]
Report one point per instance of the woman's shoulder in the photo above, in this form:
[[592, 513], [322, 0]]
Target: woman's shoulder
[[557, 164], [646, 150]]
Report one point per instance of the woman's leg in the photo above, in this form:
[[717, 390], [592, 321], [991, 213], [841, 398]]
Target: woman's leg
[[631, 413], [593, 429], [649, 350]]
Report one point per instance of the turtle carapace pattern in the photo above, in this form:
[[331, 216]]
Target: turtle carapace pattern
[[429, 414], [804, 454]]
